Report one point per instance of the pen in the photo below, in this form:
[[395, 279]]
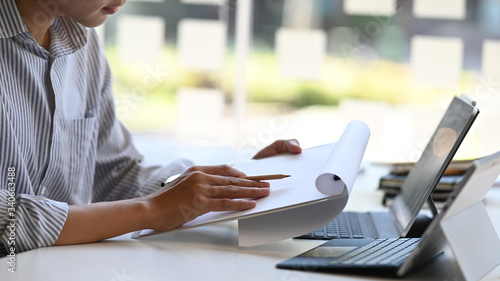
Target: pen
[[266, 177], [255, 178]]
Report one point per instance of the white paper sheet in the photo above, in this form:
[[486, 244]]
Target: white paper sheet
[[275, 217]]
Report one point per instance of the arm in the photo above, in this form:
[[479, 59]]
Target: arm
[[98, 221], [34, 221], [120, 176], [27, 220], [120, 172], [198, 191]]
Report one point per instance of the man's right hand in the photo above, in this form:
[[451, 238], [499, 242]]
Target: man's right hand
[[202, 189]]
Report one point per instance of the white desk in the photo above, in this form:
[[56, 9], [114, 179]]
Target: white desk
[[207, 253]]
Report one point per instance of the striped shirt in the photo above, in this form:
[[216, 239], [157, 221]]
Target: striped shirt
[[60, 140]]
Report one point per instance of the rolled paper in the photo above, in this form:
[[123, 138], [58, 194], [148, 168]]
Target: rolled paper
[[351, 146]]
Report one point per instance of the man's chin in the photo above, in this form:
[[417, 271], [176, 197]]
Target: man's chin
[[95, 22]]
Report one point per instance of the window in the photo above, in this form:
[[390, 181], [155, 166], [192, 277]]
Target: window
[[248, 72]]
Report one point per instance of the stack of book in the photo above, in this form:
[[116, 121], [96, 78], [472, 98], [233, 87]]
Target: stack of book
[[392, 182]]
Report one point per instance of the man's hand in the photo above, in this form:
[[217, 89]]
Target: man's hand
[[279, 147], [199, 190]]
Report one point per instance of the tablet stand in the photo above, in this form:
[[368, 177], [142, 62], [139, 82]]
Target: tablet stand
[[422, 221], [432, 206], [475, 255]]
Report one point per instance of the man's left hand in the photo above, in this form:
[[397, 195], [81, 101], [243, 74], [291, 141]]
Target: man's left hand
[[279, 147]]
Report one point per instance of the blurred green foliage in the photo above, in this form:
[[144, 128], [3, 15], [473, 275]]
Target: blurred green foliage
[[341, 78]]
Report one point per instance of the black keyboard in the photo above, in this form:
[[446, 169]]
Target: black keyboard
[[380, 252], [346, 225]]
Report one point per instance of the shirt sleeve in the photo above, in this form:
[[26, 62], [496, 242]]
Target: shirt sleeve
[[28, 222], [28, 218], [120, 171]]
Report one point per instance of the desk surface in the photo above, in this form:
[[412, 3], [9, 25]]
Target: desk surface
[[208, 253]]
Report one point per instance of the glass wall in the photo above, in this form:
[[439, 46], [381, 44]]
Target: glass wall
[[247, 72]]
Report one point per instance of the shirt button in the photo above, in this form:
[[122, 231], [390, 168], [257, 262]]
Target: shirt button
[[42, 192]]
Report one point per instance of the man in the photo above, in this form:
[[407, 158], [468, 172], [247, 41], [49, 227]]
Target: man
[[69, 171]]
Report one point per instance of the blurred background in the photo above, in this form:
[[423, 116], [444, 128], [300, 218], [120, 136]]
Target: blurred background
[[237, 74]]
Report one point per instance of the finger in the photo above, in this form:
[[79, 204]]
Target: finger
[[265, 152], [279, 146], [235, 192], [293, 146], [217, 183], [286, 146], [230, 205], [222, 170], [222, 181]]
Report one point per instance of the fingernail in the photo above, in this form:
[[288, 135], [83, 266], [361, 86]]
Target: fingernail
[[265, 184], [294, 142], [265, 190]]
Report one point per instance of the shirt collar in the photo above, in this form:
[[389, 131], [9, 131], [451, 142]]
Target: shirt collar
[[67, 35], [11, 23]]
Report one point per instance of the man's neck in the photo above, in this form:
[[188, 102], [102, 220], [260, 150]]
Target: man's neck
[[37, 21]]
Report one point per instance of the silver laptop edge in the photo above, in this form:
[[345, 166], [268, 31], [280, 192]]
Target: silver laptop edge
[[405, 208]]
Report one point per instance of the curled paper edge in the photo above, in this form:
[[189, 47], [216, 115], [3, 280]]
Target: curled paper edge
[[343, 164], [329, 184]]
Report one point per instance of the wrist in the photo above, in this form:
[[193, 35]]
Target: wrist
[[144, 210], [159, 213]]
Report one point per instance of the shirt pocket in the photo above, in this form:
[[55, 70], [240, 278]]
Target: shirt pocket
[[83, 143]]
